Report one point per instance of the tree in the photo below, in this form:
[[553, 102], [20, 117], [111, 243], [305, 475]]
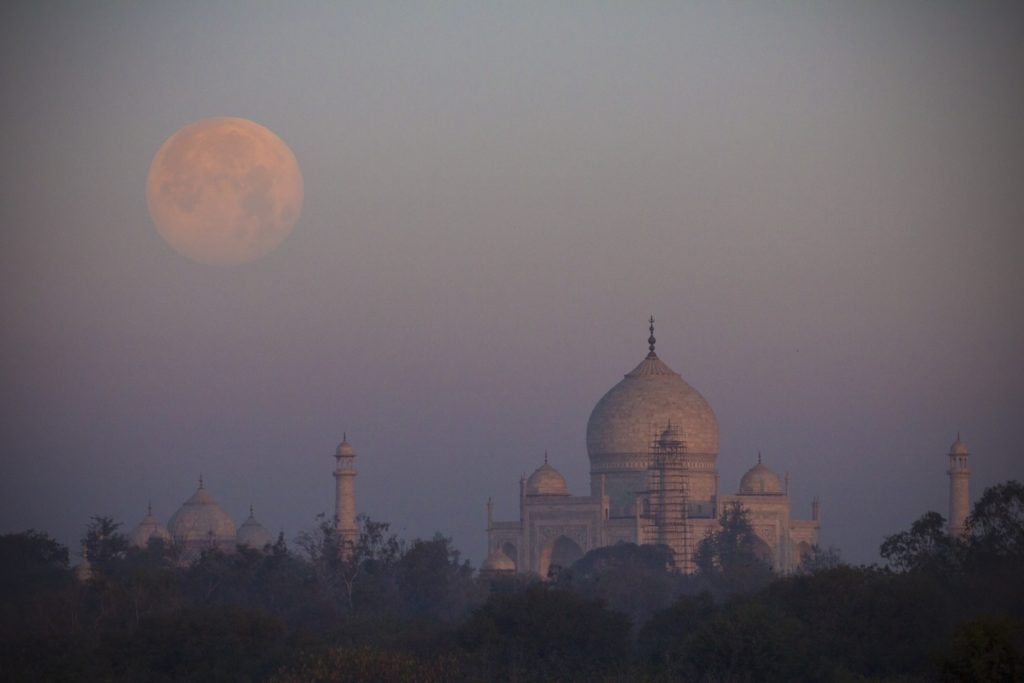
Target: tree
[[27, 556], [202, 644], [362, 576], [546, 634], [982, 650], [104, 542], [370, 665], [926, 546], [867, 620], [727, 559], [636, 580], [747, 642], [667, 638], [145, 581], [994, 557], [34, 581], [996, 524], [433, 583]]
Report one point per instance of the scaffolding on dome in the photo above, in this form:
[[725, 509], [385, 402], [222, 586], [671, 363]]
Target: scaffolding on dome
[[665, 511]]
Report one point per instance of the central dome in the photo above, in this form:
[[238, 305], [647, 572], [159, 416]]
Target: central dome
[[628, 419], [201, 520]]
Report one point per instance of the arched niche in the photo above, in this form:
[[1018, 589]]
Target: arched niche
[[558, 553]]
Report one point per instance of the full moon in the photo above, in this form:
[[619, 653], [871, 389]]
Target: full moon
[[224, 190]]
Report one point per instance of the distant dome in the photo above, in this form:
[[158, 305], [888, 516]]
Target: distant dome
[[149, 527], [201, 520], [626, 421], [498, 563], [252, 534], [759, 481], [345, 448], [546, 481], [958, 447]]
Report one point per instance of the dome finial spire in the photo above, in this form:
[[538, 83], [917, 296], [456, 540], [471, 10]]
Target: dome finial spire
[[545, 457], [149, 509], [651, 339], [200, 480], [759, 457]]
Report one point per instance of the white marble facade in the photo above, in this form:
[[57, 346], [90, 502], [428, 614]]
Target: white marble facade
[[555, 528]]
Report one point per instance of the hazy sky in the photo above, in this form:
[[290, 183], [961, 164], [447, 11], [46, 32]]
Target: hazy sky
[[821, 203]]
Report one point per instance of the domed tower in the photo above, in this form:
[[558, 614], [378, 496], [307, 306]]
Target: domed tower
[[345, 495], [624, 427], [959, 487], [149, 528]]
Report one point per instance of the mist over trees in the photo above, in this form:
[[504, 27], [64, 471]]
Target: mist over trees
[[387, 609]]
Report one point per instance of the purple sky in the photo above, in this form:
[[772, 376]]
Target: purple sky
[[821, 203]]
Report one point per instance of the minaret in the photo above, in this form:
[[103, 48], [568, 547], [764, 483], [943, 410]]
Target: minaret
[[345, 497], [959, 488]]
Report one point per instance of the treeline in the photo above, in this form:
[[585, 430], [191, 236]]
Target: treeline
[[389, 610]]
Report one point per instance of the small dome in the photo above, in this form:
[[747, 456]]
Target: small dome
[[252, 534], [345, 448], [498, 563], [546, 481], [201, 520], [759, 481], [958, 447], [149, 528]]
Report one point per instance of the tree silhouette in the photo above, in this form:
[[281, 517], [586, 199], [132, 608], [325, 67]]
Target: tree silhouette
[[727, 559]]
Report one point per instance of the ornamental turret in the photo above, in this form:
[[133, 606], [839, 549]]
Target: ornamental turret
[[959, 488], [345, 497]]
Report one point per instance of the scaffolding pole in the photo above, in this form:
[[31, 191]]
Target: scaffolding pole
[[666, 500]]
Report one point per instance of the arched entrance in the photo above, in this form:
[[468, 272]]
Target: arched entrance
[[558, 554]]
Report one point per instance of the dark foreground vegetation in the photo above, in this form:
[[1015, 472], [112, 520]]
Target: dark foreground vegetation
[[939, 610]]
